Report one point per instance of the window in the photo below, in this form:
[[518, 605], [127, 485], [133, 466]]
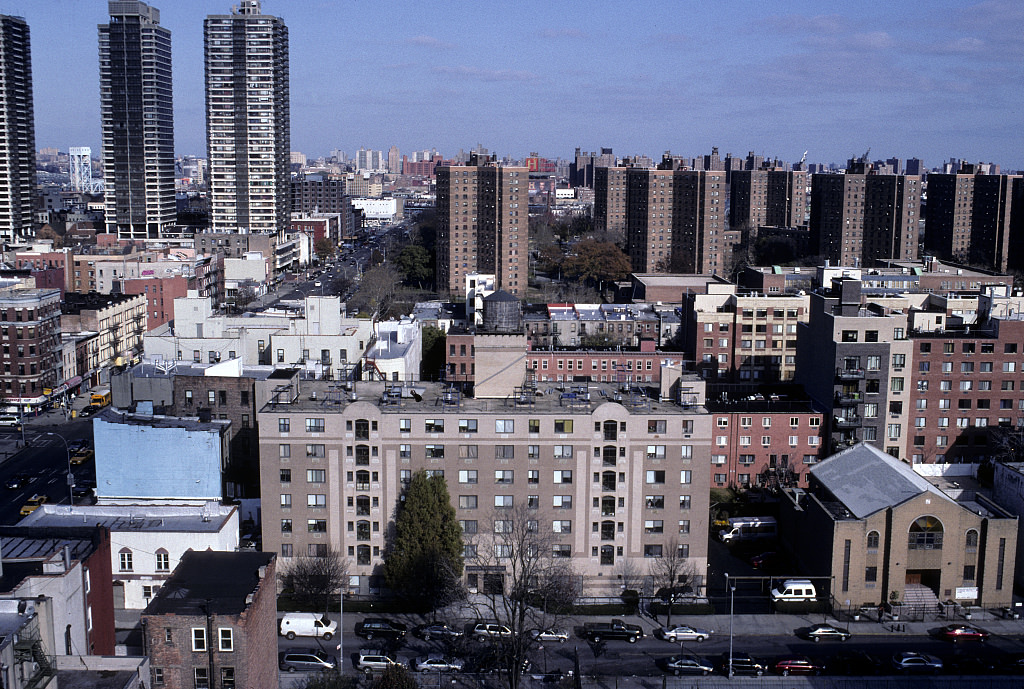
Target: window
[[655, 452], [503, 476], [315, 425], [286, 475], [560, 550], [158, 676], [563, 425], [316, 475], [925, 534], [284, 425], [198, 638], [655, 477], [969, 571], [504, 451], [655, 502], [656, 426], [873, 540], [467, 502], [467, 426], [684, 501], [654, 526], [316, 525], [163, 561], [468, 476], [286, 526], [899, 360], [286, 500], [503, 501], [870, 575], [434, 451], [405, 425], [563, 476], [874, 363], [226, 639], [562, 451], [202, 677], [652, 551], [562, 502], [125, 560], [685, 476], [504, 426], [534, 426], [561, 526], [971, 542], [684, 526], [433, 425], [316, 500], [227, 677]]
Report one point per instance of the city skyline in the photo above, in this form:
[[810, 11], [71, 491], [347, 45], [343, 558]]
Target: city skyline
[[905, 80]]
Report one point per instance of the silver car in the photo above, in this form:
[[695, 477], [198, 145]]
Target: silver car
[[553, 635], [313, 660], [683, 633], [436, 664]]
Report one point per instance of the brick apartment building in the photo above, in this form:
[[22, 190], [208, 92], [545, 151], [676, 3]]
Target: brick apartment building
[[482, 215], [160, 293], [767, 197], [30, 329], [609, 479], [214, 623], [610, 200]]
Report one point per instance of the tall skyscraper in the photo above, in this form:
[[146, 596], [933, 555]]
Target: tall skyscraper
[[675, 221], [610, 200], [971, 218], [247, 120], [137, 111], [394, 161], [773, 197], [859, 217], [482, 216], [18, 148]]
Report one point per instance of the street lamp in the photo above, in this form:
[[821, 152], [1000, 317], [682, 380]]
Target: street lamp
[[732, 607], [71, 474]]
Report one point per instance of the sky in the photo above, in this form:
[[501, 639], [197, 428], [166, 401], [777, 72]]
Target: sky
[[933, 80]]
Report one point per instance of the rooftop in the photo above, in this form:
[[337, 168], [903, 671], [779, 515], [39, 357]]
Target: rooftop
[[149, 369], [220, 580], [550, 397], [112, 416], [209, 518]]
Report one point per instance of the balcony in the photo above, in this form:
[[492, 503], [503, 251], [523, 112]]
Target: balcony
[[850, 373], [848, 399], [844, 422]]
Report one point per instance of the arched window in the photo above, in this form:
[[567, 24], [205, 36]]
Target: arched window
[[873, 540], [362, 554], [972, 541], [925, 534], [607, 530], [607, 555], [608, 455], [163, 560], [608, 480], [363, 530], [125, 559], [362, 429], [611, 429], [363, 455], [363, 480], [363, 505], [608, 506]]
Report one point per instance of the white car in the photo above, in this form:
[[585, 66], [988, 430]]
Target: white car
[[683, 633], [550, 635]]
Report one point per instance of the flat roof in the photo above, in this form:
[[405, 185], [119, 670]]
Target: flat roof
[[149, 369], [221, 580], [160, 421], [96, 679], [210, 518], [327, 397]]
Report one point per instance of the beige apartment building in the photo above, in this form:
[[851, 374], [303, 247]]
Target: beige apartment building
[[610, 200], [615, 478]]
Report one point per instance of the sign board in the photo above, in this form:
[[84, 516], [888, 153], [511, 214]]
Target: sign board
[[967, 593]]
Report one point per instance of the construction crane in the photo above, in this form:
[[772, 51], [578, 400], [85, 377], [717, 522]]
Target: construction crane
[[866, 154], [803, 158]]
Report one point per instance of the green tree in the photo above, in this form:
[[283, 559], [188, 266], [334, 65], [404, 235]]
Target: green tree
[[433, 359], [416, 266], [424, 562], [596, 261], [323, 248], [395, 677]]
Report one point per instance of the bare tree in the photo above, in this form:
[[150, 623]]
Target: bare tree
[[672, 575], [629, 574], [316, 580], [377, 291], [527, 586]]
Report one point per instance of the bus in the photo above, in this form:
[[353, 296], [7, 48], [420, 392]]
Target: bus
[[100, 397]]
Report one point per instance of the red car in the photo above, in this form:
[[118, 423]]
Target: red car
[[963, 632], [796, 665], [764, 560]]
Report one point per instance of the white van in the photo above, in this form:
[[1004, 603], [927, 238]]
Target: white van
[[8, 421], [794, 590], [295, 624], [749, 529]]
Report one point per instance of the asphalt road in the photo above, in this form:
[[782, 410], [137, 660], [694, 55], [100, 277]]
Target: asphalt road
[[45, 459]]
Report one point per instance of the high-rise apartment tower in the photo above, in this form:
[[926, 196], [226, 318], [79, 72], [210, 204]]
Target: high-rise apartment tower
[[247, 120], [482, 215], [18, 145], [137, 112]]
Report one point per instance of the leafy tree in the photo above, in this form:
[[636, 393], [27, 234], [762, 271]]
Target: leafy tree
[[671, 573], [395, 677], [597, 261], [531, 593], [416, 265], [424, 562], [433, 358], [316, 580], [323, 248]]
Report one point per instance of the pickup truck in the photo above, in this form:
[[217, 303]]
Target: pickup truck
[[616, 629]]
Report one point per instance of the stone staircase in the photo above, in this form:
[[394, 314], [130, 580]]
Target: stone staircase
[[918, 601]]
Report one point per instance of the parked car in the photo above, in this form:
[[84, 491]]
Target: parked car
[[616, 629], [817, 632], [854, 663], [488, 630], [962, 632], [32, 504], [968, 665], [370, 660], [685, 665], [313, 660], [683, 632], [437, 630], [796, 665], [379, 627], [436, 664], [912, 661], [543, 635], [742, 664]]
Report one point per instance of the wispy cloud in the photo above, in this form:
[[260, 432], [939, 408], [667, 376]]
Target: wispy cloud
[[563, 33], [478, 74], [432, 42]]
